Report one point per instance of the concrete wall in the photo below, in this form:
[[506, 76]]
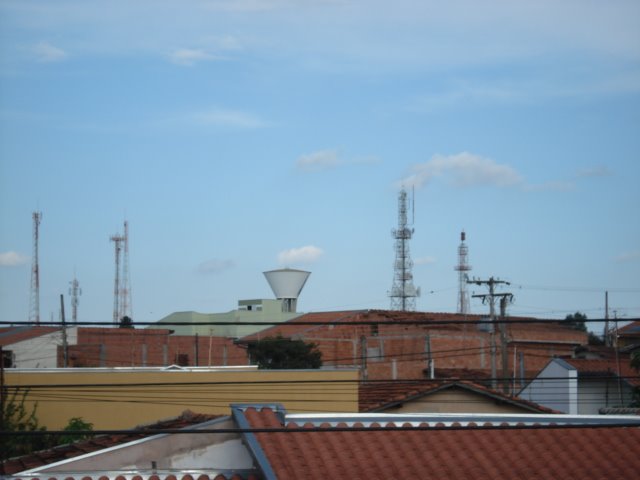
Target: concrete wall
[[123, 398]]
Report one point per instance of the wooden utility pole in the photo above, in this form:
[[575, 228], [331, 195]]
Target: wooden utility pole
[[490, 297]]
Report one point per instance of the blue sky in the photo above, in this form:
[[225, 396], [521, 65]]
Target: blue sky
[[241, 136]]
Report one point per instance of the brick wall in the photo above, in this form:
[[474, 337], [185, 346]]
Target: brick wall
[[121, 347]]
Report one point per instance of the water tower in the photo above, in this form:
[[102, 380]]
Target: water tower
[[287, 284]]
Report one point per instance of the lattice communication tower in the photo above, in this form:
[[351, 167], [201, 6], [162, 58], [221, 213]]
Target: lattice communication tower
[[34, 301], [462, 268], [403, 293], [75, 291], [121, 284]]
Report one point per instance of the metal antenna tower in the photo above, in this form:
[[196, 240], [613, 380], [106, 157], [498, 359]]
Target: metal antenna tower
[[121, 289], [462, 268], [117, 240], [403, 293], [75, 291], [125, 288], [34, 302]]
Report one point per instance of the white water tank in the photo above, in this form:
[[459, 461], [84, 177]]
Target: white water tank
[[287, 284]]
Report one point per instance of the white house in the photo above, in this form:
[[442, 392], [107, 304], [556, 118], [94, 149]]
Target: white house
[[33, 347]]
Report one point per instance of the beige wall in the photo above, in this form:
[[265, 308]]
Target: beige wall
[[455, 401], [124, 398]]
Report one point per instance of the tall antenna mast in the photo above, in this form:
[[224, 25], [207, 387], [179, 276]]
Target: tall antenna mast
[[75, 291], [125, 288], [403, 293], [121, 288], [34, 302], [462, 268], [117, 240]]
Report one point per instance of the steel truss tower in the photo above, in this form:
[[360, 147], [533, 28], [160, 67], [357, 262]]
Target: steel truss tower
[[403, 293], [34, 301], [462, 268], [75, 291], [121, 286]]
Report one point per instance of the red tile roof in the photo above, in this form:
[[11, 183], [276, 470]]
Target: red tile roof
[[605, 367], [376, 396], [11, 335], [480, 453], [64, 452]]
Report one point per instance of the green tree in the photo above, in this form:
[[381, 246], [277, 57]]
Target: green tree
[[126, 322], [576, 321], [635, 364], [78, 425], [284, 353], [16, 417]]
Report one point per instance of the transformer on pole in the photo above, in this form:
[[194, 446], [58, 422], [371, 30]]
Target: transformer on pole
[[34, 302], [403, 293], [462, 268]]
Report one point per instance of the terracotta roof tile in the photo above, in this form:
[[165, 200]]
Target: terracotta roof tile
[[11, 335], [463, 453], [374, 396], [605, 367]]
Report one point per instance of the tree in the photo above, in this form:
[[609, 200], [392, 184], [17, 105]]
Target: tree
[[126, 322], [635, 364], [284, 353], [576, 321], [16, 417], [76, 424]]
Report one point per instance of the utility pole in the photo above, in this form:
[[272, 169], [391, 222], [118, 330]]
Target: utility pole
[[490, 297]]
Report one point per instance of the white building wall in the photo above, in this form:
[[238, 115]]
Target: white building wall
[[555, 387], [594, 394], [40, 352]]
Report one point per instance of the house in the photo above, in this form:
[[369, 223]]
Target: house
[[629, 336], [390, 345], [33, 346], [583, 386], [264, 441], [442, 396]]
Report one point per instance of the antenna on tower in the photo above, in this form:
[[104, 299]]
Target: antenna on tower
[[34, 302], [462, 268], [75, 291], [403, 293]]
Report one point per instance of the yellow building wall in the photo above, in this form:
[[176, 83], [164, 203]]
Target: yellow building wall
[[124, 398]]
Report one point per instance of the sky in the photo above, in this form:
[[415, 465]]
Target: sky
[[241, 136]]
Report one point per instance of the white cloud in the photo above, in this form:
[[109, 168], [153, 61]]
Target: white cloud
[[12, 259], [188, 57], [598, 171], [228, 118], [464, 170], [625, 257], [45, 52], [424, 261], [215, 266], [318, 161], [306, 254]]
